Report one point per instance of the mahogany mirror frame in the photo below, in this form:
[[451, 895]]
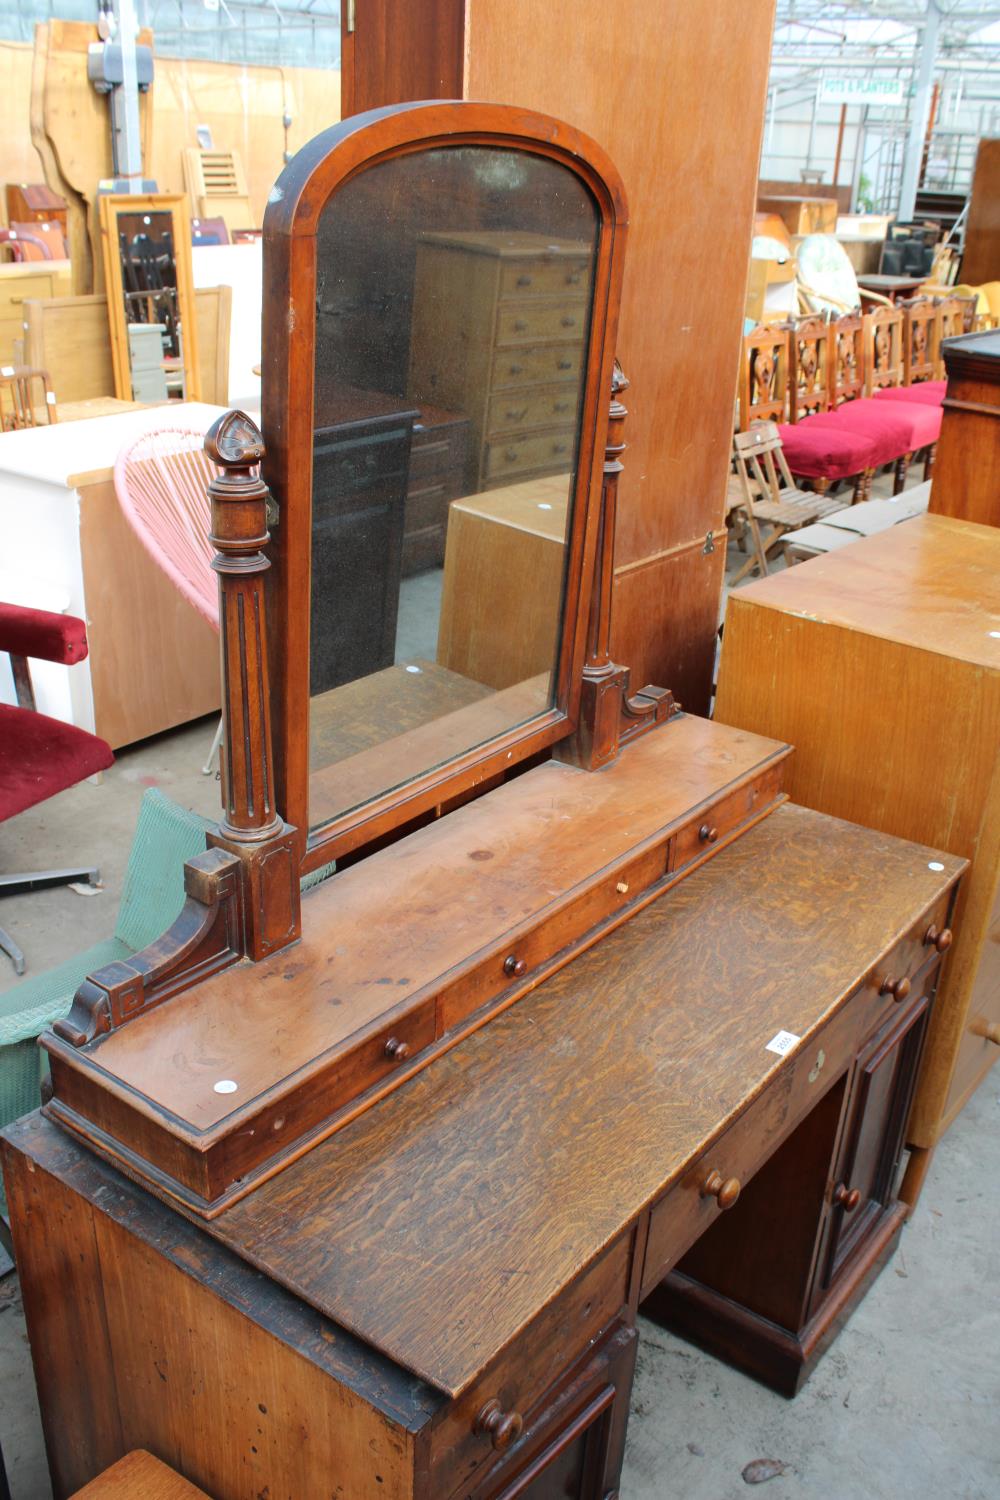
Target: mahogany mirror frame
[[288, 360], [176, 205]]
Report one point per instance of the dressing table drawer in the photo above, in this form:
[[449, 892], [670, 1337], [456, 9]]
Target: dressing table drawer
[[527, 322], [539, 406], [534, 451], [694, 1202], [488, 1417], [722, 819], [545, 278], [516, 367]]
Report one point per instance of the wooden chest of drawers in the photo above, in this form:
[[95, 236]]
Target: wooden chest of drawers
[[500, 323], [881, 664], [439, 458]]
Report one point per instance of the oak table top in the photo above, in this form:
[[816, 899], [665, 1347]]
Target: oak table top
[[438, 1224]]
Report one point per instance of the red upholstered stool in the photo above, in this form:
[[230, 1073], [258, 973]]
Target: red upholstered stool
[[925, 392], [40, 756], [820, 453], [895, 428]]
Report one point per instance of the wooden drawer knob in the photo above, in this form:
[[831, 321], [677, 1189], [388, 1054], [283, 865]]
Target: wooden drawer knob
[[708, 833], [524, 281], [846, 1198], [725, 1191], [502, 1426], [939, 938], [396, 1050], [897, 988], [514, 966]]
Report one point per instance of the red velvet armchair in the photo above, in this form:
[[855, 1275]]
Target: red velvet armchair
[[40, 756]]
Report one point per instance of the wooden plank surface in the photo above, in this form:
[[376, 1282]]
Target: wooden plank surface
[[451, 890], [139, 1476], [439, 1223], [931, 582]]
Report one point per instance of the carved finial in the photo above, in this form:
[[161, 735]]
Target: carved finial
[[235, 442]]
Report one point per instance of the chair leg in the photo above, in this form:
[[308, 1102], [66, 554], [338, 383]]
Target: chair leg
[[929, 458], [13, 952], [206, 769], [900, 473]]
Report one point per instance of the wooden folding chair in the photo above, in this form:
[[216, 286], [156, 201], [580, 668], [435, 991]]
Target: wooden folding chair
[[769, 492]]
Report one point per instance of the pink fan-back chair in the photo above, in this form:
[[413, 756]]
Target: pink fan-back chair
[[161, 480]]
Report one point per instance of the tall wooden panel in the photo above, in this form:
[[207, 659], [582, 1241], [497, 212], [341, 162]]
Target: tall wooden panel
[[675, 91], [396, 50], [981, 261]]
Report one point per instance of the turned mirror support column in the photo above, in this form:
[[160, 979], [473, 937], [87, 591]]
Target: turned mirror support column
[[608, 716], [251, 827]]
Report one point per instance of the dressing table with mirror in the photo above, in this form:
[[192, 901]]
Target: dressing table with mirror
[[504, 985]]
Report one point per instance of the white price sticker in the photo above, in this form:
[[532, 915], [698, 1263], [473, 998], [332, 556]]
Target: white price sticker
[[783, 1043]]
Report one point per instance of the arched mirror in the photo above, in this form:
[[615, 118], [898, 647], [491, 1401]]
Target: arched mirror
[[441, 285]]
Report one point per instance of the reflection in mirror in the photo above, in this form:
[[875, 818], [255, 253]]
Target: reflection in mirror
[[152, 312], [454, 290]]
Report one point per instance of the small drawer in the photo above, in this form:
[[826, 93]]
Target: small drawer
[[438, 450], [535, 406], [519, 1379], [527, 322], [894, 979], [557, 931], [517, 367], [422, 549], [357, 1069], [546, 278], [714, 824], [428, 506], [551, 451], [686, 1210]]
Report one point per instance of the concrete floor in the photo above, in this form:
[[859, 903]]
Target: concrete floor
[[903, 1405]]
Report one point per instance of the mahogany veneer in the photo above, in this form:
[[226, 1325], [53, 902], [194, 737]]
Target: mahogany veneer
[[967, 459], [533, 872]]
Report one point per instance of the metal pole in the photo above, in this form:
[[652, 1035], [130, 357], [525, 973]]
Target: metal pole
[[125, 102], [914, 151]]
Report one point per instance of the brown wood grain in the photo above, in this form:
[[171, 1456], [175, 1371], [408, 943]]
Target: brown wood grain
[[673, 490], [897, 626], [981, 256], [193, 1355], [455, 888], [503, 1169], [139, 1474], [967, 456]]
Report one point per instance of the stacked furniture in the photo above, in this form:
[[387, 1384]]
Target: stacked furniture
[[519, 387]]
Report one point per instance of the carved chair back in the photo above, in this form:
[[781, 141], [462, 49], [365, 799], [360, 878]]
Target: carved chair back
[[24, 394], [808, 367], [883, 348], [920, 340], [761, 463], [953, 319], [847, 358], [763, 375]]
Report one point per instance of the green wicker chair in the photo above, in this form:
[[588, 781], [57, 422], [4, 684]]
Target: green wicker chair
[[153, 893]]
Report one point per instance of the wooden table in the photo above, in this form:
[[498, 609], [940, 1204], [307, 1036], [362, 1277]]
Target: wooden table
[[139, 1476], [441, 1298], [881, 664], [891, 286]]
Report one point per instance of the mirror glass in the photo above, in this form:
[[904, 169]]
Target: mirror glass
[[152, 310], [454, 291]]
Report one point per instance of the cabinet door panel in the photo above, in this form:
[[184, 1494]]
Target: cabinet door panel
[[873, 1137]]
